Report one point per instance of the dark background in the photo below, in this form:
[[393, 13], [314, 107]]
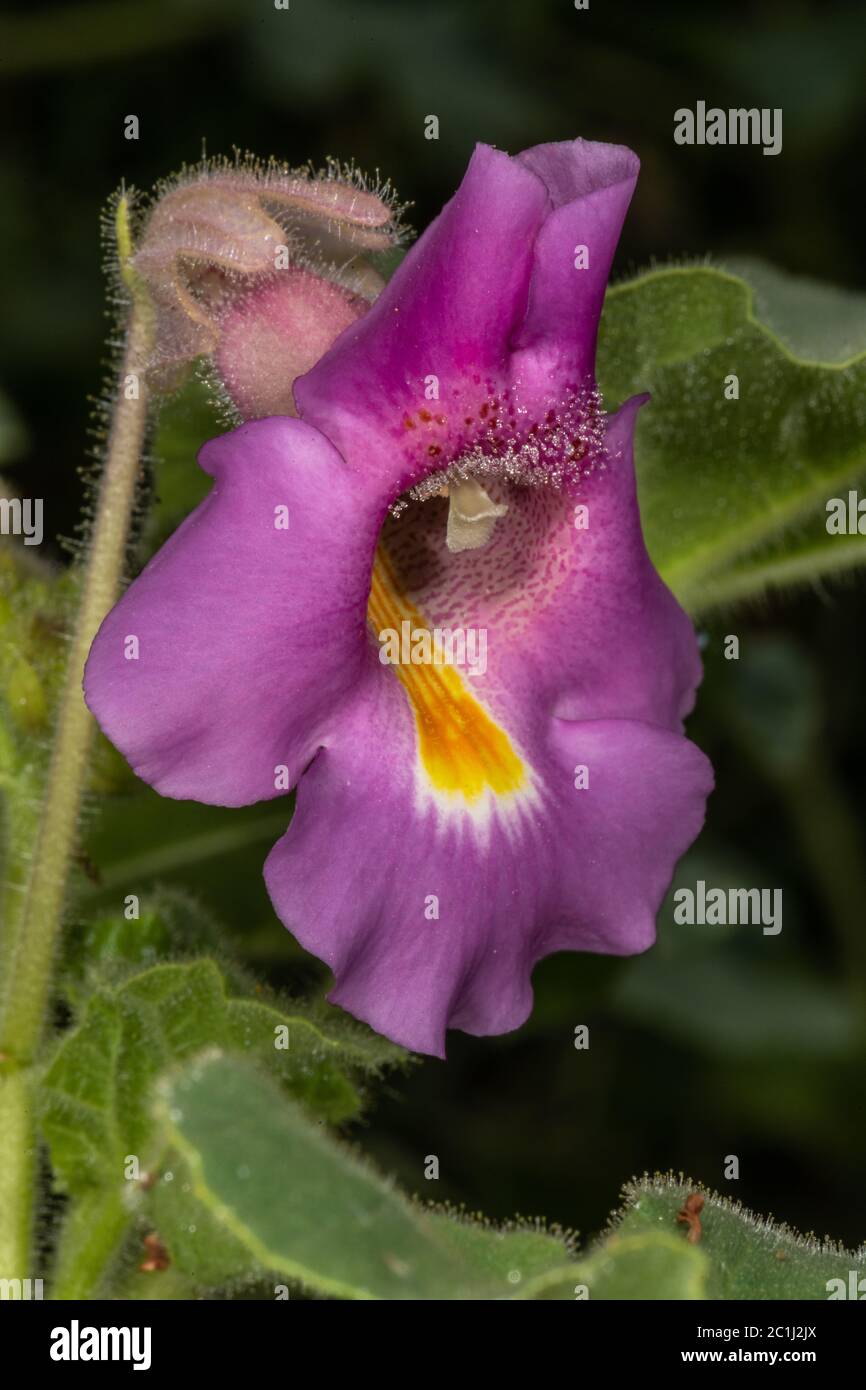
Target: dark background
[[720, 1043]]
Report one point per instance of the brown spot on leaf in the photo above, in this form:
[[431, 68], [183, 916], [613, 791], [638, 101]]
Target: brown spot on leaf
[[690, 1215], [158, 1257]]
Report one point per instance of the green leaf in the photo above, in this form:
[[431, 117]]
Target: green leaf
[[112, 945], [804, 557], [649, 1266], [816, 322], [747, 1256], [165, 925], [96, 1092], [267, 1190], [319, 1058], [727, 485]]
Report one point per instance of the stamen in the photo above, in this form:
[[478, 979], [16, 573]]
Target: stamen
[[472, 515], [555, 447]]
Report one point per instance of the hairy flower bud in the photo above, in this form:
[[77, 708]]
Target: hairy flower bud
[[259, 267], [275, 333]]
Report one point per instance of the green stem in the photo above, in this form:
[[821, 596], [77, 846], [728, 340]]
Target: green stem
[[33, 945], [17, 1169], [92, 1235], [30, 974]]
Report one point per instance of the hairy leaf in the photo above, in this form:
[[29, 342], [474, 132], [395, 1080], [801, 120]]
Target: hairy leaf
[[262, 1187], [747, 1256], [727, 484], [96, 1093]]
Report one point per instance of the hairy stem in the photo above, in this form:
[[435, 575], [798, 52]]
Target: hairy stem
[[17, 1169], [34, 941]]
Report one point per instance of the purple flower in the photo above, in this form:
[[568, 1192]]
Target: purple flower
[[521, 787]]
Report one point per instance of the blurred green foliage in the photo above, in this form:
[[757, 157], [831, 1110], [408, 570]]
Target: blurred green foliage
[[722, 1041]]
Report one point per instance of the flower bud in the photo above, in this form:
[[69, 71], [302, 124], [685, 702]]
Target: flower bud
[[259, 267], [275, 333]]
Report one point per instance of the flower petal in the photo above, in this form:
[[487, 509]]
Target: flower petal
[[452, 826], [447, 314], [539, 803], [428, 924], [487, 329], [249, 624], [591, 186]]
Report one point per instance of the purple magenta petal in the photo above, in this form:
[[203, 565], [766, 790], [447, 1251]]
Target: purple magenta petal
[[591, 664], [591, 186], [537, 805], [250, 635], [357, 874], [447, 314], [487, 316]]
